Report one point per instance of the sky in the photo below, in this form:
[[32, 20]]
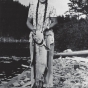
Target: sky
[[60, 5]]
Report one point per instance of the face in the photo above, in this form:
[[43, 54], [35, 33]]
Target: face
[[42, 1]]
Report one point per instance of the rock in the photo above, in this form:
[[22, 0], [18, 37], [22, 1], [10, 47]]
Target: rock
[[21, 82], [27, 79], [67, 50], [16, 84]]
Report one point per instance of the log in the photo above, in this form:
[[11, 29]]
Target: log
[[73, 53], [24, 66]]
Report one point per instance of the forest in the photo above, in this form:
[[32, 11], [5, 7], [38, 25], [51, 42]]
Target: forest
[[70, 32]]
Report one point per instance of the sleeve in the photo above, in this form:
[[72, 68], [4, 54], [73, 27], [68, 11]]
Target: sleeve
[[53, 12], [30, 12]]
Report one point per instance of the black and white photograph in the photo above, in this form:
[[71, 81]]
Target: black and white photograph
[[43, 43]]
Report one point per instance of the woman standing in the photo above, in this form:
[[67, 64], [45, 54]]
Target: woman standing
[[41, 41]]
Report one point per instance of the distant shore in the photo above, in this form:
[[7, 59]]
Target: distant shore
[[13, 40]]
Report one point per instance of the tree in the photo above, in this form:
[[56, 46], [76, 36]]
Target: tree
[[79, 6], [13, 18]]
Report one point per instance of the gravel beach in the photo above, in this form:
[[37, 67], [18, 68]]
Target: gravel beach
[[69, 72]]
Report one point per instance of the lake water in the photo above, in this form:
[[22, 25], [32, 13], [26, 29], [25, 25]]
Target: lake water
[[14, 49], [9, 67]]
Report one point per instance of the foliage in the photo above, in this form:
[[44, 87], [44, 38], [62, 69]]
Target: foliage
[[13, 19], [79, 6], [72, 35]]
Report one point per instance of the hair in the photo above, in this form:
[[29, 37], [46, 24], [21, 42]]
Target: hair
[[46, 4]]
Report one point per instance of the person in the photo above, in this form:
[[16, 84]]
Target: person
[[41, 20]]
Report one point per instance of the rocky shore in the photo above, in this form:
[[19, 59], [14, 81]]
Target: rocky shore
[[69, 72]]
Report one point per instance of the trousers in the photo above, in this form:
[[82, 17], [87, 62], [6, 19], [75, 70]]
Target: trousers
[[44, 59], [49, 74]]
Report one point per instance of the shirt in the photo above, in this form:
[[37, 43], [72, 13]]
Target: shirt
[[51, 12]]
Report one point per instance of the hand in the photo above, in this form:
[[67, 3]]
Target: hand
[[34, 31], [47, 28]]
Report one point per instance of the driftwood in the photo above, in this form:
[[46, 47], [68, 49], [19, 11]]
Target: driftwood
[[73, 53]]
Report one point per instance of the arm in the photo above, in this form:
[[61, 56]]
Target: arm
[[53, 22], [52, 17], [29, 24], [30, 18]]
